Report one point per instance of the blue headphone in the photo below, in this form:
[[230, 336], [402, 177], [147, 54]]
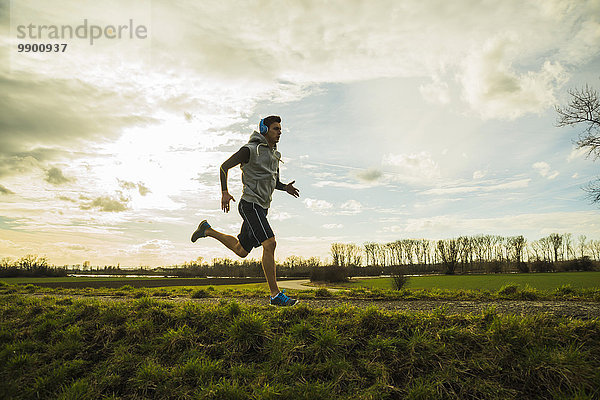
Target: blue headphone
[[262, 127]]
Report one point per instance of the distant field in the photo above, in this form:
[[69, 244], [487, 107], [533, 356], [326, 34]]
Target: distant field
[[136, 282], [541, 281]]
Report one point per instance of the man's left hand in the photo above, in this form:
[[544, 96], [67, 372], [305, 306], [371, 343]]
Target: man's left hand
[[292, 190]]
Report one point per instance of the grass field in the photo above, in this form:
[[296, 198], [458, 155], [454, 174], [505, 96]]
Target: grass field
[[539, 281], [116, 282], [34, 280], [575, 286], [87, 349]]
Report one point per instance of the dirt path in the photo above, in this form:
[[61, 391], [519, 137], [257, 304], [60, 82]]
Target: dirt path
[[572, 309], [300, 284]]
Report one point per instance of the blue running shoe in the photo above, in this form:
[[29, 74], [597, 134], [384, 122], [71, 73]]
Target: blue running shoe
[[201, 231], [282, 300]]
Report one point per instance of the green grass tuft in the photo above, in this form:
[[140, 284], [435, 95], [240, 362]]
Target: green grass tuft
[[323, 292], [508, 290], [200, 294]]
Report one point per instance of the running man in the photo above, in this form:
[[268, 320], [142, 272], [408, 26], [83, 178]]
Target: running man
[[259, 161]]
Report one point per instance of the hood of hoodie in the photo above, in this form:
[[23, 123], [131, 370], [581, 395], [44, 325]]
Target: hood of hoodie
[[260, 139]]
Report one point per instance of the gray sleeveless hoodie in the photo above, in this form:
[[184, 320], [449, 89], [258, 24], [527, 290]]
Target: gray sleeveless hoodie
[[260, 173]]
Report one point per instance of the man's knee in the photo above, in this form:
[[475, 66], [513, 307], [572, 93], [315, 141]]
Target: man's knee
[[269, 244], [240, 251]]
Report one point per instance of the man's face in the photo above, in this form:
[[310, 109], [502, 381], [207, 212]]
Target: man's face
[[273, 133]]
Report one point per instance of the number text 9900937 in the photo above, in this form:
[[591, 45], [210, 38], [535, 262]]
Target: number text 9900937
[[41, 47]]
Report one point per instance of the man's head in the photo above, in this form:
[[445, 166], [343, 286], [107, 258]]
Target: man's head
[[273, 123]]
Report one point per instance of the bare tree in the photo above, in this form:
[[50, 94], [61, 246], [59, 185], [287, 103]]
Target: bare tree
[[370, 252], [557, 241], [337, 254], [584, 109], [568, 252], [594, 246], [448, 253], [516, 245], [353, 254], [395, 249], [6, 262], [582, 245], [293, 261]]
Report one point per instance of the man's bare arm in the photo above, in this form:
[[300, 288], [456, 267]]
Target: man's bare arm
[[242, 156]]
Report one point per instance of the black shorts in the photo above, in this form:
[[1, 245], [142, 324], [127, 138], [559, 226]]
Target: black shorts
[[255, 228]]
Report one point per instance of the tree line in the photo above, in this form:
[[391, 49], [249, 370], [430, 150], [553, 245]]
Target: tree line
[[464, 254], [29, 266], [470, 253]]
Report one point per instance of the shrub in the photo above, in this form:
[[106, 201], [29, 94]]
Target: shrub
[[329, 274], [523, 267], [542, 266], [494, 267], [399, 280], [584, 264]]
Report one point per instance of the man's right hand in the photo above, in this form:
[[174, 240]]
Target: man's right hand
[[225, 198]]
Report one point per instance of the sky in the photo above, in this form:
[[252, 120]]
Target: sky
[[412, 119]]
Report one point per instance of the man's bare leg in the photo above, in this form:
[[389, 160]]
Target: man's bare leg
[[268, 264], [231, 242]]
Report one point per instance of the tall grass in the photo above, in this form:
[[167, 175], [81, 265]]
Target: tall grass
[[150, 348]]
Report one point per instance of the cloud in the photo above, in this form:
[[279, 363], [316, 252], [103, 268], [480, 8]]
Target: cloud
[[323, 207], [18, 164], [279, 216], [577, 153], [530, 225], [142, 189], [369, 175], [106, 204], [155, 245], [413, 168], [316, 43], [496, 89], [544, 170], [345, 185], [4, 190], [55, 177], [436, 91], [511, 185], [479, 174], [318, 206], [333, 226], [63, 112], [65, 198], [351, 207]]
